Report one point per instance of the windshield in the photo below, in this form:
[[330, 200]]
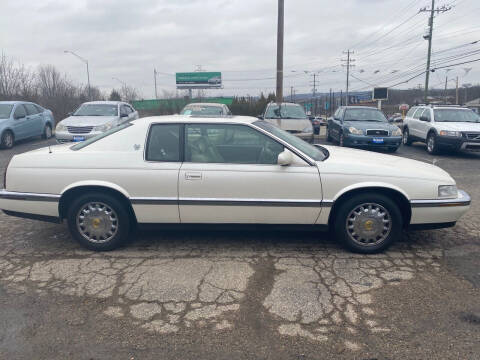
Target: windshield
[[364, 115], [202, 110], [97, 110], [285, 112], [306, 148], [113, 130], [456, 115], [5, 110]]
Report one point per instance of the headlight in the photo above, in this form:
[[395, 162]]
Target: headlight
[[103, 128], [308, 129], [450, 133], [60, 127], [447, 191], [355, 131], [397, 132]]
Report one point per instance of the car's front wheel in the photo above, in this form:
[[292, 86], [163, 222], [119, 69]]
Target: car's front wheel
[[7, 140], [432, 146], [341, 140], [406, 137], [329, 137], [99, 221], [368, 223]]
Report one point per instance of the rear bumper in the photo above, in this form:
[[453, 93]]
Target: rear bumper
[[31, 204], [364, 140]]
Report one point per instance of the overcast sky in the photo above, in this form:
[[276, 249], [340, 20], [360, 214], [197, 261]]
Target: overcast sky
[[126, 39]]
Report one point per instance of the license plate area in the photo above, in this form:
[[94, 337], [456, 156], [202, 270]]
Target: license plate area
[[378, 140], [78, 138]]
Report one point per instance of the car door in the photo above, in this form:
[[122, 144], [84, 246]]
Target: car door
[[336, 124], [35, 120], [20, 125], [230, 175], [424, 125], [414, 123]]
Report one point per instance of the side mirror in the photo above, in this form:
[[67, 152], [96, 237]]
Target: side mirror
[[424, 118], [123, 115], [70, 113], [285, 158]]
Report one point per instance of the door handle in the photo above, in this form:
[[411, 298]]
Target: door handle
[[193, 176]]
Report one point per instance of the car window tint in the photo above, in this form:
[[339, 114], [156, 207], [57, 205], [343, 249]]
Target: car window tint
[[31, 109], [39, 108], [163, 143], [411, 112], [234, 144], [418, 113], [20, 111], [426, 113]]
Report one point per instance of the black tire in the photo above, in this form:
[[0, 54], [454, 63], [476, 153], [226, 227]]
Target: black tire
[[432, 147], [341, 140], [406, 139], [7, 140], [121, 221], [329, 138], [345, 237], [47, 132]]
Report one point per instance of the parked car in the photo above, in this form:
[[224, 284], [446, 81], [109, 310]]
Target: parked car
[[21, 120], [289, 117], [226, 170], [206, 109], [317, 122], [361, 126], [443, 127], [93, 118]]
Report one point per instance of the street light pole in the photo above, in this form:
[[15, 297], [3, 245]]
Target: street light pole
[[279, 93], [155, 78], [88, 72]]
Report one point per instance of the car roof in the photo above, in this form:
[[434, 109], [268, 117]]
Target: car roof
[[359, 107], [196, 119], [15, 102], [206, 104], [104, 102]]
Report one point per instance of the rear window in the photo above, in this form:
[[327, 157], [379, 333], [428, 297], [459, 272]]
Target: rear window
[[285, 111], [5, 110], [164, 143], [113, 130]]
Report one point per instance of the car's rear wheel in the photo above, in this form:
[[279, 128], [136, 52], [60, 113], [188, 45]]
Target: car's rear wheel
[[7, 140], [99, 221], [329, 138], [341, 140], [47, 132], [432, 147], [368, 223], [406, 137]]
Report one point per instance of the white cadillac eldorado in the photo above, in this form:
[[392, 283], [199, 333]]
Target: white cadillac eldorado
[[228, 170]]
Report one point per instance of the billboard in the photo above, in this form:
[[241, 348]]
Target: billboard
[[380, 93], [198, 80]]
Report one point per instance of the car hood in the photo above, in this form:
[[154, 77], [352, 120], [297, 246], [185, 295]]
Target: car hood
[[370, 125], [290, 124], [378, 165], [87, 120], [458, 126]]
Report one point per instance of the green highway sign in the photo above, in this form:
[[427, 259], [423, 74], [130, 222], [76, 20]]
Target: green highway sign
[[198, 80]]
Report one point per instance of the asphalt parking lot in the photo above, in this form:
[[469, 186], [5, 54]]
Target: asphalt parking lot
[[243, 295]]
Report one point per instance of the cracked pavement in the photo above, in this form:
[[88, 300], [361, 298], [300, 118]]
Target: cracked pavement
[[212, 294]]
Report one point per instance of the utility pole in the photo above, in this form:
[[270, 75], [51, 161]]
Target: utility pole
[[330, 102], [85, 61], [279, 94], [348, 61], [429, 37], [291, 93], [456, 94], [446, 81], [155, 79]]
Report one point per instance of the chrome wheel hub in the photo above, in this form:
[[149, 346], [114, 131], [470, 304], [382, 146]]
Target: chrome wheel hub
[[369, 224], [97, 222], [8, 139], [48, 132], [405, 137], [431, 143]]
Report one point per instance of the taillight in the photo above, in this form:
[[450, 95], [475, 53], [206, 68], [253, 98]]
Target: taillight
[[5, 174]]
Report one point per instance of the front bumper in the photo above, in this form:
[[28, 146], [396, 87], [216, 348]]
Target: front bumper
[[458, 143], [65, 136], [367, 140], [435, 211]]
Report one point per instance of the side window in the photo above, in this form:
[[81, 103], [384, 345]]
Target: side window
[[31, 109], [337, 114], [20, 112], [123, 110], [426, 113], [411, 112], [418, 113], [233, 144], [129, 109], [39, 108], [163, 143]]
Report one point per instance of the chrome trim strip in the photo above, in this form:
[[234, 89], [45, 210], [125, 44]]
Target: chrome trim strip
[[463, 199], [227, 202], [13, 195]]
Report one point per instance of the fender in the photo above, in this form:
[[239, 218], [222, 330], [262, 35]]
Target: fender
[[107, 184], [370, 184]]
